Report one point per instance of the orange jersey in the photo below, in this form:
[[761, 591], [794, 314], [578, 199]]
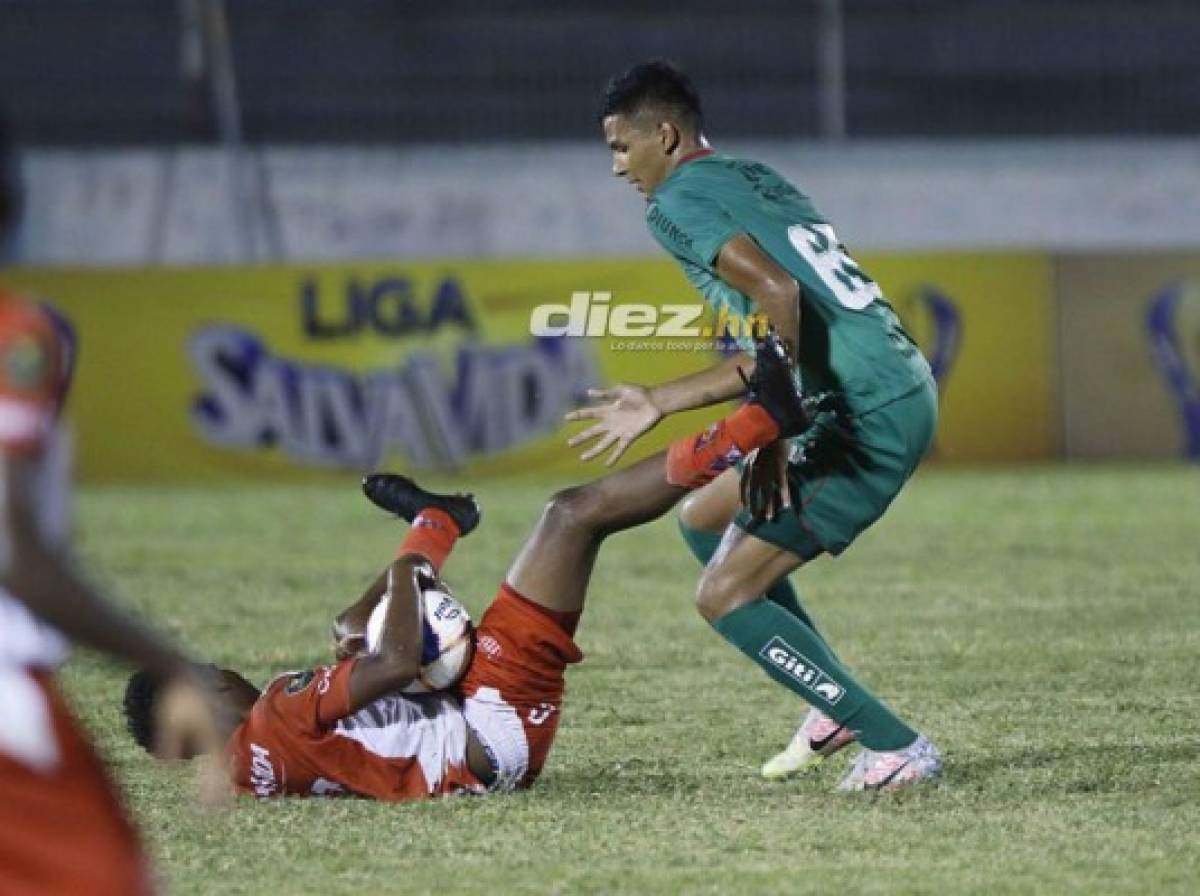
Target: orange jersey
[[32, 357], [33, 362], [301, 739], [62, 830]]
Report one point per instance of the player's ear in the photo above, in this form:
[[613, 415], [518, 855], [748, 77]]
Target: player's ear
[[668, 136]]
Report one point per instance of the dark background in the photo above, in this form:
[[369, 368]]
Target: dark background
[[81, 72]]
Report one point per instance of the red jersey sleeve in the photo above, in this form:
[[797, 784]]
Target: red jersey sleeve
[[29, 377], [314, 699]]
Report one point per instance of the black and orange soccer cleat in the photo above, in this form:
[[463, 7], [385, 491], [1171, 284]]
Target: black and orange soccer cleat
[[774, 386], [400, 495]]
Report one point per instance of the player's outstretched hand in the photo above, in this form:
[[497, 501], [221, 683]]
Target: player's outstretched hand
[[188, 726], [765, 490], [624, 413]]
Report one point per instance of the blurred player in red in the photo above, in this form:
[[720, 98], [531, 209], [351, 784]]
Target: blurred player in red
[[62, 830], [346, 729]]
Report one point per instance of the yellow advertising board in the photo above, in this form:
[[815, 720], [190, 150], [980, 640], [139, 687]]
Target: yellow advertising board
[[1129, 331], [289, 371], [985, 321]]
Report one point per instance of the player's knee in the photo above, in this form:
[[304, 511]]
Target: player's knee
[[709, 509], [559, 512], [691, 512], [719, 593], [576, 508]]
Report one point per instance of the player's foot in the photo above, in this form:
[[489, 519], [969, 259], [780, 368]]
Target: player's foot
[[895, 768], [817, 738], [403, 497], [773, 385]]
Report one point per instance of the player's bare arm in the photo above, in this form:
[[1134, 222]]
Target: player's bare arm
[[744, 266], [397, 662], [350, 625], [627, 411], [44, 579], [747, 268], [718, 383], [775, 409]]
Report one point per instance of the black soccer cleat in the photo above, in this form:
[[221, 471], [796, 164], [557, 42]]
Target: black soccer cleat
[[403, 497], [773, 386]]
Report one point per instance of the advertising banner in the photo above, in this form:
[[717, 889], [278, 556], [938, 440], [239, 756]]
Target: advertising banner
[[985, 322], [1129, 332], [291, 371]]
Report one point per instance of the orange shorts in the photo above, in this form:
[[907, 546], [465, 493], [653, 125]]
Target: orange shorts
[[521, 653], [62, 829]]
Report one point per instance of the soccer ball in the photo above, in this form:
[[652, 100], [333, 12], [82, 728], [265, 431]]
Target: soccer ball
[[447, 644]]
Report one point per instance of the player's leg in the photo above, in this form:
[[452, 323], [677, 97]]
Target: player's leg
[[436, 523], [525, 639], [791, 653], [844, 485], [704, 516], [555, 564], [553, 567], [729, 597]]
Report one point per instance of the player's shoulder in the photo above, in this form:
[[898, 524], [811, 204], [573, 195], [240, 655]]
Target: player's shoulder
[[28, 343], [698, 176], [721, 168], [737, 176], [728, 181], [689, 194], [295, 682], [310, 699], [20, 316]]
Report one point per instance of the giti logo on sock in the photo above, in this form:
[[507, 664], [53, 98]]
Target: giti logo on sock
[[788, 659]]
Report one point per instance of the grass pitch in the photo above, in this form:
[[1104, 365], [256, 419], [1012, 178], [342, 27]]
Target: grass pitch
[[1041, 624]]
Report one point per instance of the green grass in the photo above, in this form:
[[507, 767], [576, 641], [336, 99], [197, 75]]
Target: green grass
[[1040, 624]]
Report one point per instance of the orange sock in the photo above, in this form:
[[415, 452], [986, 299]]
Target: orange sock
[[432, 536], [699, 459]]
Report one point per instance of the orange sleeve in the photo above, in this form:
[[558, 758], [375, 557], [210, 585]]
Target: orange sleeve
[[314, 699], [29, 377]]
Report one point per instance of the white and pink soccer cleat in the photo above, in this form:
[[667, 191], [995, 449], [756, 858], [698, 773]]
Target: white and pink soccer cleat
[[817, 738], [894, 769]]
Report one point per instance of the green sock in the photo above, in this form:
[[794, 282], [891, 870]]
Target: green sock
[[704, 544], [792, 654]]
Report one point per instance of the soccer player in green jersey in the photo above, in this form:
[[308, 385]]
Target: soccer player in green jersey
[[751, 243]]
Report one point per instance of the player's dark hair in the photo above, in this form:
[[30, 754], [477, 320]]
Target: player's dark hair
[[141, 697], [656, 83]]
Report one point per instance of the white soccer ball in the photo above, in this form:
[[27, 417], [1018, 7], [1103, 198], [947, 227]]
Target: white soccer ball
[[447, 644]]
